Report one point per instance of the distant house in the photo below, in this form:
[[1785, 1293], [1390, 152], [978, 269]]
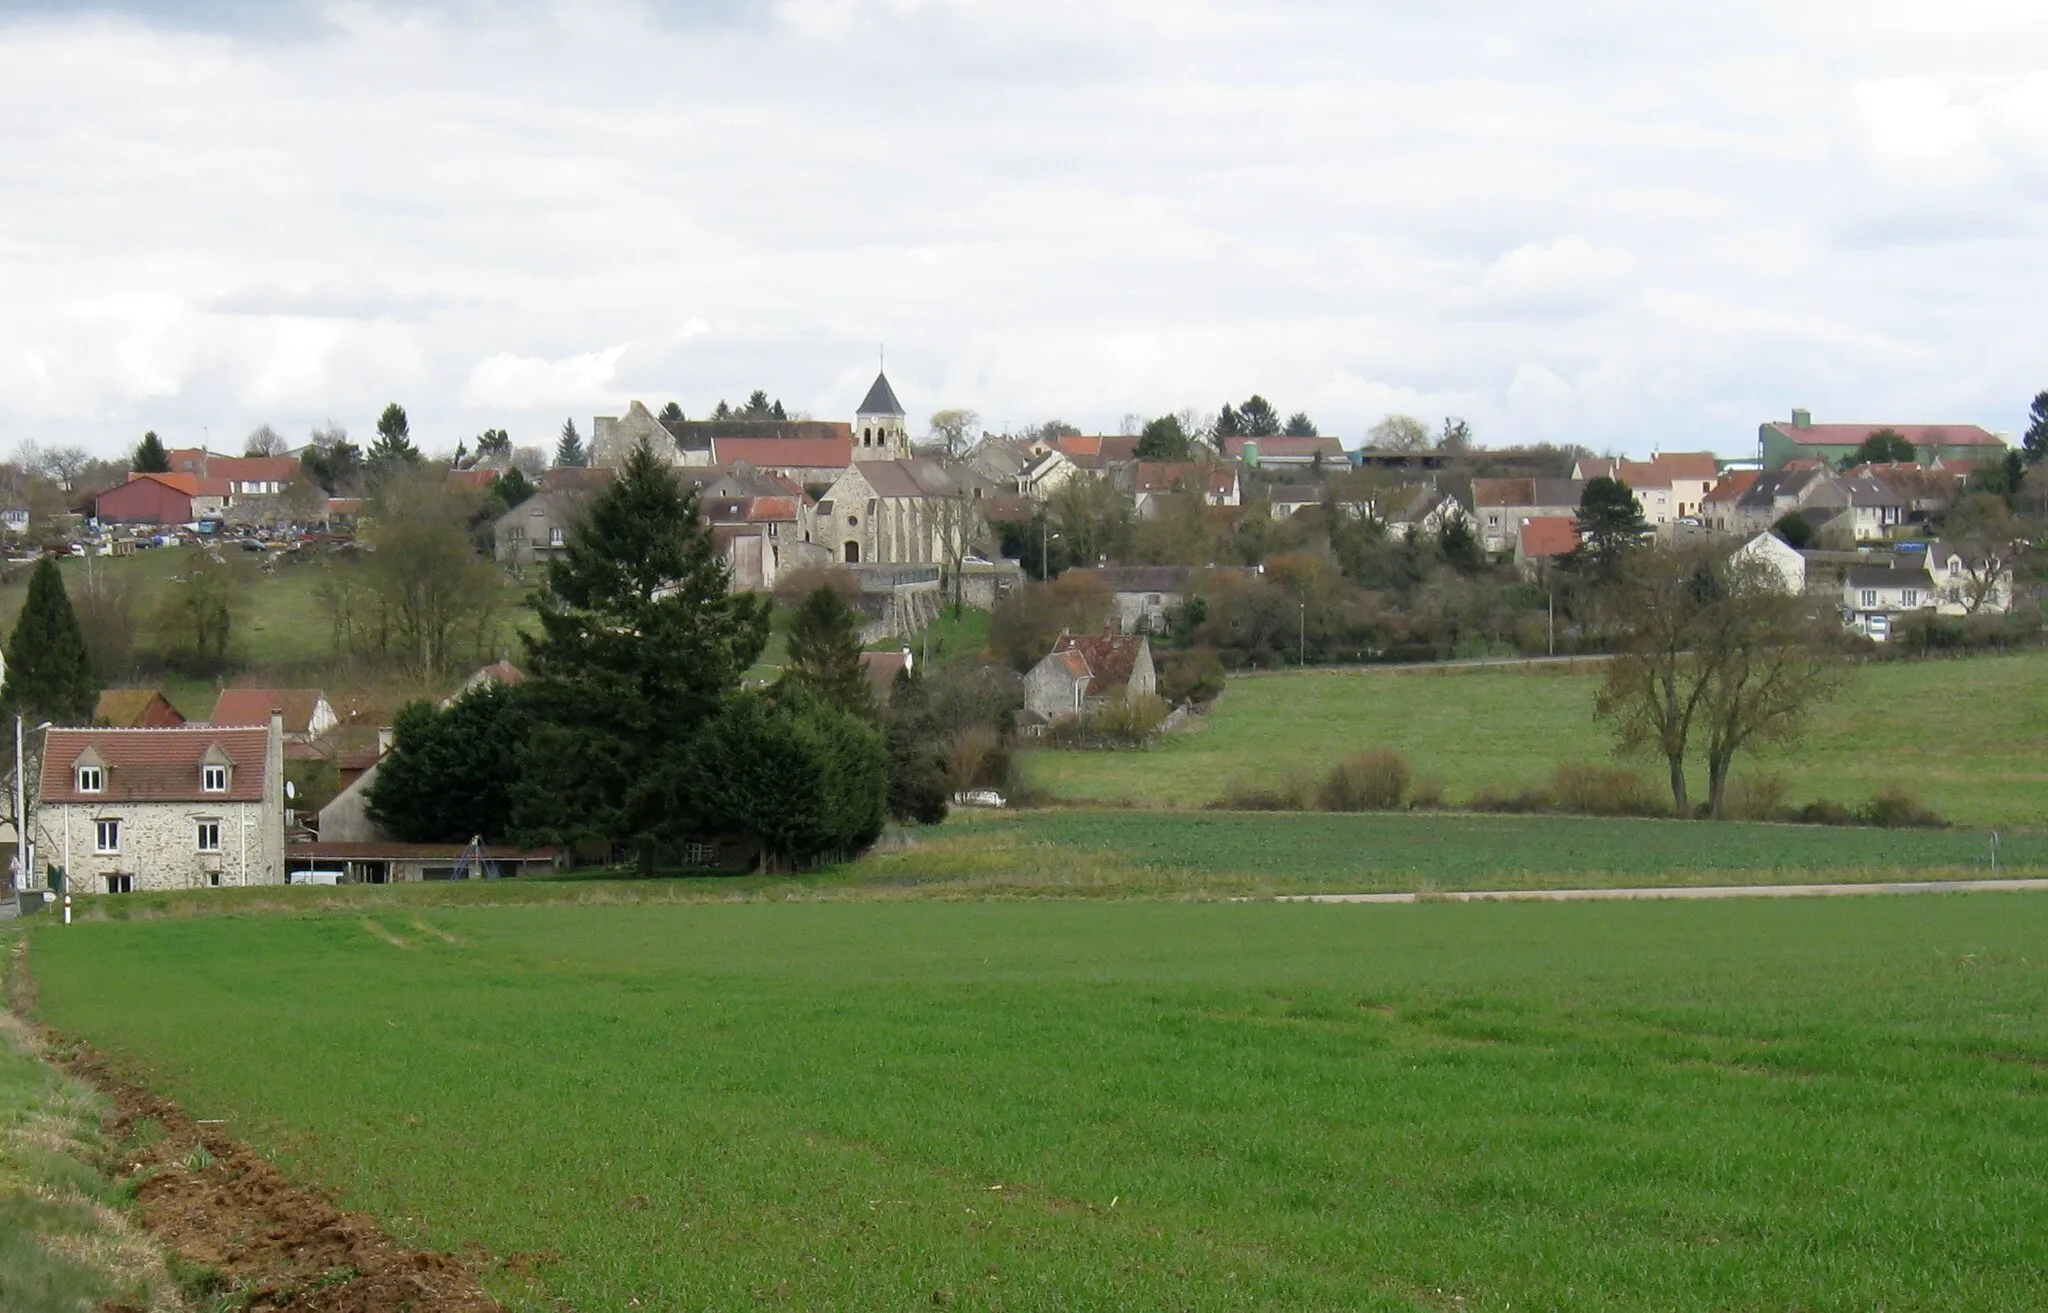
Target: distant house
[[1718, 509], [1286, 500], [184, 807], [1214, 482], [896, 512], [881, 668], [135, 708], [1815, 492], [1970, 582], [1304, 453], [1671, 486], [537, 529], [1771, 553], [161, 499], [1543, 538], [1096, 453], [1499, 506], [1084, 671], [307, 714], [1045, 473], [502, 674], [245, 476], [1427, 511], [1779, 443], [1875, 596]]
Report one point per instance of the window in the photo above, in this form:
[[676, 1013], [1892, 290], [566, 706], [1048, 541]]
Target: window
[[213, 878], [209, 836], [106, 836], [213, 779], [91, 779], [1909, 597], [1869, 598], [554, 537], [700, 854], [120, 884]]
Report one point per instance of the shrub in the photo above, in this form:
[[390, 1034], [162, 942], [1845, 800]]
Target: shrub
[[1896, 809], [1426, 794], [1375, 781], [1824, 811], [1602, 791], [1195, 676], [1290, 794], [1497, 798], [1756, 798]]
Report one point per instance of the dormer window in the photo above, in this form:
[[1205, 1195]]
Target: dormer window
[[213, 779], [92, 779]]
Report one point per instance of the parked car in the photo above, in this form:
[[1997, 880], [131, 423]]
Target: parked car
[[979, 798]]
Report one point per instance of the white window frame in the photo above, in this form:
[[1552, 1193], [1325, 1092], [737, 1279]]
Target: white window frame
[[106, 836], [92, 779], [120, 884], [1909, 597], [201, 836], [208, 774], [555, 536], [1869, 599]]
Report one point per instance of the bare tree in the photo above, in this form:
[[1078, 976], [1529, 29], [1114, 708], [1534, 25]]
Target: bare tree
[[953, 430], [1399, 433], [264, 441], [1987, 540], [105, 603], [62, 465]]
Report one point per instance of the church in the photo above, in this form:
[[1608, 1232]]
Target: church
[[804, 451]]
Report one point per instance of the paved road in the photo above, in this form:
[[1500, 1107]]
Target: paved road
[[1703, 891]]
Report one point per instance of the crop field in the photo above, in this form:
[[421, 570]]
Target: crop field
[[1837, 1104], [1970, 737]]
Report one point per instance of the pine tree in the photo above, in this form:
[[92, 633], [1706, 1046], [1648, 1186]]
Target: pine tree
[[393, 446], [569, 450], [49, 675], [671, 414], [150, 456], [805, 778], [1610, 524], [2035, 441], [641, 644], [824, 652]]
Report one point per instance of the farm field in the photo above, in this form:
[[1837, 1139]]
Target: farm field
[[1825, 1105], [1970, 737]]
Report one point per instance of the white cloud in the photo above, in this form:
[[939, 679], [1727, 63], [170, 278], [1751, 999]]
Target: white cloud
[[1564, 277], [509, 382], [1916, 131]]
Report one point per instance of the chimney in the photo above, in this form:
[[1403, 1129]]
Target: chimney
[[1802, 418]]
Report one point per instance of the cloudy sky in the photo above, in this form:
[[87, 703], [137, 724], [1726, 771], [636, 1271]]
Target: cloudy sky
[[1631, 225]]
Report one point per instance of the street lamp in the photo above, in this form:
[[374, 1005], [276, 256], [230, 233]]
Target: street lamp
[[24, 845], [1045, 537]]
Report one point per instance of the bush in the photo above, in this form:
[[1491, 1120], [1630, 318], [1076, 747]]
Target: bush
[[1128, 722], [1497, 798], [1375, 781], [1426, 794], [1756, 798], [1585, 790], [1195, 676], [1824, 811], [1291, 794], [1898, 809]]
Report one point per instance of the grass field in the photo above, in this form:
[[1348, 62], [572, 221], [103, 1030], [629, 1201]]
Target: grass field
[[1970, 737], [1828, 1105]]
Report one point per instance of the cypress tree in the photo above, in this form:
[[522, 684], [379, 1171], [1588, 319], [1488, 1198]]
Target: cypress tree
[[824, 652], [49, 675], [150, 456]]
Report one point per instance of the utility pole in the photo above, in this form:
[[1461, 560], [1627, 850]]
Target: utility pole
[[1302, 659]]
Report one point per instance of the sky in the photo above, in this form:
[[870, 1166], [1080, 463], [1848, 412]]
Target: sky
[[1633, 226]]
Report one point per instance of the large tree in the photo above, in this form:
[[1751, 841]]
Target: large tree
[[1610, 525], [264, 441], [2035, 442], [436, 601], [1165, 439], [953, 430], [393, 448], [49, 672], [671, 414], [1882, 447], [450, 773], [333, 462], [1256, 418], [1299, 425], [824, 652], [150, 456], [1398, 433], [641, 644], [569, 450]]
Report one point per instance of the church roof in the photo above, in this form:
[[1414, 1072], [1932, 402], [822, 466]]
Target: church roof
[[881, 399]]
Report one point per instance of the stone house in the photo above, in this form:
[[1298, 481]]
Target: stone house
[[896, 512], [1428, 511], [1815, 492], [1970, 582], [537, 529], [184, 807], [1670, 486], [1215, 483], [1499, 506], [1085, 671]]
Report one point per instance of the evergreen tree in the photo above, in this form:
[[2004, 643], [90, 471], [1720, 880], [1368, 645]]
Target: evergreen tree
[[150, 456], [1299, 425], [1164, 440], [450, 773], [49, 675], [1228, 425], [1258, 418], [1882, 447], [805, 778], [569, 450], [393, 446], [2035, 441], [671, 414], [824, 652], [917, 759], [641, 644], [1610, 525]]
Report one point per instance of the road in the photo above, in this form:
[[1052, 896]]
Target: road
[[1702, 891]]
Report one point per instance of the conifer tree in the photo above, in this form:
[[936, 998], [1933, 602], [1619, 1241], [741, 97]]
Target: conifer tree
[[393, 446], [49, 674], [570, 452], [150, 456], [824, 652]]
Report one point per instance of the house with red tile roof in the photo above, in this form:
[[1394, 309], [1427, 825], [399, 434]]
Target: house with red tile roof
[[1670, 486], [161, 499], [1544, 538], [307, 713], [1216, 482], [1302, 453], [1085, 671], [1780, 442], [135, 708], [184, 807]]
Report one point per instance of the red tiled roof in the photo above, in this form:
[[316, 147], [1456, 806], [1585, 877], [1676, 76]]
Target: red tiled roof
[[189, 484], [1216, 480], [1688, 464], [1548, 535], [135, 708], [237, 469], [1920, 435], [154, 765], [1732, 485], [1110, 657], [251, 706], [1281, 445], [1503, 492], [762, 510], [786, 453], [476, 480], [576, 478]]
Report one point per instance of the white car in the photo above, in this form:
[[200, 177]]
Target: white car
[[979, 798]]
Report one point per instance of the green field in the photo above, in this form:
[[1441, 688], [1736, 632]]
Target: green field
[[1837, 1104], [1970, 737]]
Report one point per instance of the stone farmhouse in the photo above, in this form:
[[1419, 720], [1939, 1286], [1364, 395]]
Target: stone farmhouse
[[184, 807], [1501, 505], [1083, 672]]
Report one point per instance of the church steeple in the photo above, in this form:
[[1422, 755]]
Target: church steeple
[[880, 429]]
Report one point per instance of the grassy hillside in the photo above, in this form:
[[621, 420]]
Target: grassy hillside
[[1838, 1104], [1971, 737]]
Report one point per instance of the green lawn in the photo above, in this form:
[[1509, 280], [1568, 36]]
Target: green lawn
[[1970, 737], [1837, 1104]]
